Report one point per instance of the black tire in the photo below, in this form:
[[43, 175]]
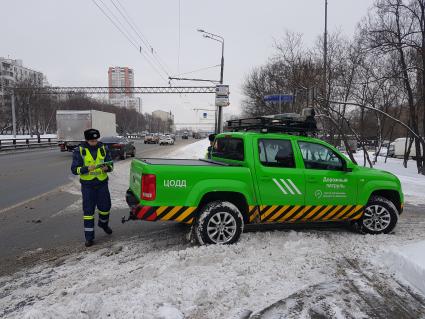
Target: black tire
[[134, 153], [123, 156], [227, 220], [380, 216]]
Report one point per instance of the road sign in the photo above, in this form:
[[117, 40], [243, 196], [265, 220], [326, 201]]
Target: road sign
[[278, 98], [222, 95], [222, 90], [222, 101]]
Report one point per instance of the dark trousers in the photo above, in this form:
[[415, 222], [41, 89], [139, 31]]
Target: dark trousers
[[95, 196]]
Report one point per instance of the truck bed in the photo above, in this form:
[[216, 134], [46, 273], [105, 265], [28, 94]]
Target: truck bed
[[181, 162]]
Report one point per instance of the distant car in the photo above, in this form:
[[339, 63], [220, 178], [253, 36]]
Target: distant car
[[166, 140], [151, 139], [391, 150], [120, 147], [185, 136]]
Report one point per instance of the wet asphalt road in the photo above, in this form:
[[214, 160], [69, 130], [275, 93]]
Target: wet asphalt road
[[47, 224], [25, 175]]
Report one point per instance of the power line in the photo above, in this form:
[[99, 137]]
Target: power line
[[128, 38], [116, 90], [198, 70], [140, 35]]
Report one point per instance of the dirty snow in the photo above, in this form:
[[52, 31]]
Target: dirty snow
[[163, 276]]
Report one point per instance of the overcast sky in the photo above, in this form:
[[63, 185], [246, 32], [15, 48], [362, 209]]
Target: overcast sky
[[73, 43]]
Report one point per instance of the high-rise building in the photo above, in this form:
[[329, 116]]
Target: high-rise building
[[13, 71], [120, 77]]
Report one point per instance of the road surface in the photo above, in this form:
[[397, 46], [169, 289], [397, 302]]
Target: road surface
[[25, 175], [52, 222]]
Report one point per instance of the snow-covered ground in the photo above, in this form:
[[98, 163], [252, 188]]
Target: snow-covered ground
[[9, 137], [163, 276], [408, 261]]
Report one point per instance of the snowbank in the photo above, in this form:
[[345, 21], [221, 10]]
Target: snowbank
[[408, 262], [412, 183], [195, 150]]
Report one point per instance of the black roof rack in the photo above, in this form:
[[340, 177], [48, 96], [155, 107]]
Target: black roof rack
[[290, 123]]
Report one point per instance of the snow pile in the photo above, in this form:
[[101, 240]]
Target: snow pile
[[192, 151], [412, 183], [409, 263]]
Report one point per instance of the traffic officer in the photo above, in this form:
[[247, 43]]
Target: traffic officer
[[211, 138], [92, 161]]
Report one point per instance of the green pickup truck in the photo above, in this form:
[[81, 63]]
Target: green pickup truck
[[263, 176]]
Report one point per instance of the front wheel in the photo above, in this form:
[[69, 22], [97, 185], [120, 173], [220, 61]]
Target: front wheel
[[219, 223], [380, 216]]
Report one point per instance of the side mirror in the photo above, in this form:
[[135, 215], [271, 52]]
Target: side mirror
[[348, 166]]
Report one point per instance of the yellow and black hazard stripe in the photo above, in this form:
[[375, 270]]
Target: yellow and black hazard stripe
[[253, 214], [300, 213], [182, 214], [263, 214]]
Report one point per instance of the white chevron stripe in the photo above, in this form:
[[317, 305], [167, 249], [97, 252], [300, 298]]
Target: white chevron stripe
[[287, 186], [280, 186], [294, 186]]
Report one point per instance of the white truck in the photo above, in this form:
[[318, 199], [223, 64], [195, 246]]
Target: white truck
[[71, 125], [397, 148]]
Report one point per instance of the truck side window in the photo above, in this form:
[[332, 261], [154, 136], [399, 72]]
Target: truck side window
[[317, 156], [276, 153], [229, 148]]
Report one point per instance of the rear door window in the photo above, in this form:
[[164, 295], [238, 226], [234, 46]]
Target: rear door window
[[276, 153], [229, 148]]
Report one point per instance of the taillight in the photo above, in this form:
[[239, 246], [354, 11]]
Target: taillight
[[148, 187]]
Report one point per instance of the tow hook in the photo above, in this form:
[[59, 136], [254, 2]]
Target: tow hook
[[126, 219]]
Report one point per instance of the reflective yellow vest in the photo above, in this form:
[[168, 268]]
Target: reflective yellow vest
[[89, 161]]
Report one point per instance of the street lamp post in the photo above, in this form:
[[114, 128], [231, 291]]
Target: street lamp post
[[220, 39]]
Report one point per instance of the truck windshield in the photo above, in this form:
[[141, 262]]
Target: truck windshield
[[229, 148]]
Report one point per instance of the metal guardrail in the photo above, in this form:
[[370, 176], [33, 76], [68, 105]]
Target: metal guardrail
[[26, 143]]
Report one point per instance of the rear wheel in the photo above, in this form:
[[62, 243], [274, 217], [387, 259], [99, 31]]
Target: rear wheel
[[380, 216], [134, 153], [218, 223]]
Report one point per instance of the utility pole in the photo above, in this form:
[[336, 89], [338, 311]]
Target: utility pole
[[325, 51], [220, 39], [220, 108], [12, 97]]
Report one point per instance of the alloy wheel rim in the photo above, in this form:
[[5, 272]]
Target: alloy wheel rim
[[376, 218], [221, 227]]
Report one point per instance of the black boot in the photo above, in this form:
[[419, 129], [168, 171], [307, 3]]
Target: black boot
[[89, 243], [106, 229]]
